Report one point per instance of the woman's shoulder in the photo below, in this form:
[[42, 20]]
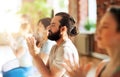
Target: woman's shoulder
[[101, 67], [117, 72]]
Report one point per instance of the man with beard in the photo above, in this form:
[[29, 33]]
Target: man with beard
[[43, 44], [61, 28]]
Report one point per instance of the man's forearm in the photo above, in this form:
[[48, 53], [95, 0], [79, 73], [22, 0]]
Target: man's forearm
[[42, 68]]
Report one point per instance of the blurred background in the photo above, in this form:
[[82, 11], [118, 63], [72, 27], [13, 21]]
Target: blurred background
[[12, 11], [87, 14]]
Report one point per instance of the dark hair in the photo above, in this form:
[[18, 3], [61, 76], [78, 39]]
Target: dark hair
[[45, 22], [69, 22], [115, 11]]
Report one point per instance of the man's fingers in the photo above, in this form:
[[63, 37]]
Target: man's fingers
[[31, 45], [87, 67], [67, 67]]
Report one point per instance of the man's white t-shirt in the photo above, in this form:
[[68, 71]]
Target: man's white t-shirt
[[58, 55]]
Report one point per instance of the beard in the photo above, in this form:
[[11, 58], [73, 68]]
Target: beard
[[54, 36]]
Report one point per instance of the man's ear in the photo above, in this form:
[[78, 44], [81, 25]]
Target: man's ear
[[63, 29]]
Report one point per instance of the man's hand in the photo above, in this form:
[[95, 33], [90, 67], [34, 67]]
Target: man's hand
[[31, 45], [78, 70]]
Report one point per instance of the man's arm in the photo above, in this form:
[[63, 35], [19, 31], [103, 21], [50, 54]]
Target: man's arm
[[44, 56], [43, 69]]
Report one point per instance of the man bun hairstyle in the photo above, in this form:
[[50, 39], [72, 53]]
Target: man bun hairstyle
[[69, 22]]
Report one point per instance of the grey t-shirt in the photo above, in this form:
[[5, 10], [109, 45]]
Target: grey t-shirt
[[47, 46]]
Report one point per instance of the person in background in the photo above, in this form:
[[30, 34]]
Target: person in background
[[21, 49], [43, 42], [108, 38], [62, 26], [9, 64]]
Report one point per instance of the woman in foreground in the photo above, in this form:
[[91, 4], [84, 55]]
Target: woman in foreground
[[108, 38]]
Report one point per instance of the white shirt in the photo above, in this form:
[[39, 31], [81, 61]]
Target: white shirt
[[65, 51]]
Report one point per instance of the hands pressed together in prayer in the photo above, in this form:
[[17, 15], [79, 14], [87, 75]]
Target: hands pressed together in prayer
[[31, 42]]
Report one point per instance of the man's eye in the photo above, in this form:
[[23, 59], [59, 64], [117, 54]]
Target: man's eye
[[52, 25]]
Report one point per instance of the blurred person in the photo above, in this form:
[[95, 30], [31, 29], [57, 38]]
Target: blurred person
[[108, 38], [62, 26], [43, 42], [9, 65], [21, 49]]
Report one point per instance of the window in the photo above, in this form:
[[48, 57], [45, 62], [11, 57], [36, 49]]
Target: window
[[59, 5], [8, 15], [88, 16]]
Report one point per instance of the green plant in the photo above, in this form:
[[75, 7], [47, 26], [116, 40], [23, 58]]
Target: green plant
[[89, 24], [36, 9]]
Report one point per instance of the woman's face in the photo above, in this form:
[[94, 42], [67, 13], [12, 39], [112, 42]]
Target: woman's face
[[41, 30], [106, 34]]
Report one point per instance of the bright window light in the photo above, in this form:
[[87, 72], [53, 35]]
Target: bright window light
[[8, 15]]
